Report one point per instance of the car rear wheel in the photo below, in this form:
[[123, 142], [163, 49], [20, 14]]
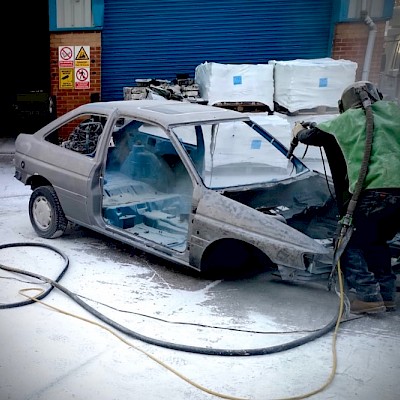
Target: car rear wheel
[[45, 212]]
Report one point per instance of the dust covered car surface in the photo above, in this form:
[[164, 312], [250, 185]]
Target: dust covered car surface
[[202, 186]]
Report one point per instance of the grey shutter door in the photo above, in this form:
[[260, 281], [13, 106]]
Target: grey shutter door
[[159, 38]]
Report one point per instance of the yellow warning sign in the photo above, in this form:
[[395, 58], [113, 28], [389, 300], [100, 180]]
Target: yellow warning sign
[[66, 78], [82, 56]]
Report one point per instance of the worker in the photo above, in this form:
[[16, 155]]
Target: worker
[[375, 212]]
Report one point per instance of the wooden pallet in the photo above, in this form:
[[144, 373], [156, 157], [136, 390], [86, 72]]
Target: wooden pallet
[[314, 110], [245, 106]]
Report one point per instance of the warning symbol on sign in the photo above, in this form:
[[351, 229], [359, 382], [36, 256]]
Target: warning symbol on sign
[[82, 56], [82, 78], [65, 57]]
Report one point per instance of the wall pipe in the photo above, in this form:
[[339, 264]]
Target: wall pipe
[[371, 41]]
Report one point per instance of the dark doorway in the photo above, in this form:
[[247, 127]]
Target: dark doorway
[[26, 62]]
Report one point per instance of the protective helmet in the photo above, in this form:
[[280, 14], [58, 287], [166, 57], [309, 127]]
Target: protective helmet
[[351, 95]]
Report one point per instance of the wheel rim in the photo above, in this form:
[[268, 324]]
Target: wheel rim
[[41, 212]]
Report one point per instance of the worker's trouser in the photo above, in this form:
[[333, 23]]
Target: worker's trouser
[[366, 260]]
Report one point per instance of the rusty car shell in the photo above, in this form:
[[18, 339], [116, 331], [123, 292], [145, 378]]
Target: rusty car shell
[[230, 211]]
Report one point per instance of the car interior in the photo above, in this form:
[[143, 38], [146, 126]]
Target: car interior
[[147, 190]]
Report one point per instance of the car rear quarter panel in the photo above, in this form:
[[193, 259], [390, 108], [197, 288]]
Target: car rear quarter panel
[[218, 217], [68, 172]]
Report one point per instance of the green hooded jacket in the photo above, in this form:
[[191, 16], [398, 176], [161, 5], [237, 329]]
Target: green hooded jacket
[[349, 130]]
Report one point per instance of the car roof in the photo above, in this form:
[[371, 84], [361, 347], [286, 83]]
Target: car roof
[[165, 113]]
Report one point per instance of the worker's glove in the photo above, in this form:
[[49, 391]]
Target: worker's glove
[[308, 124], [295, 131]]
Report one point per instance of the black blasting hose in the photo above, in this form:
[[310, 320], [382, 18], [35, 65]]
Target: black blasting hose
[[46, 292], [346, 229], [367, 152], [173, 346]]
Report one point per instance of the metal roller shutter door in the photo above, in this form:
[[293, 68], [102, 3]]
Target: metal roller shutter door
[[158, 39]]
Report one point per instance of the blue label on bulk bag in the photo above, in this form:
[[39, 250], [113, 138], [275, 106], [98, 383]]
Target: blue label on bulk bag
[[256, 144], [323, 82], [237, 80]]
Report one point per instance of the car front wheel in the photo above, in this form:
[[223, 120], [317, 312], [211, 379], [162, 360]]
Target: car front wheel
[[45, 212]]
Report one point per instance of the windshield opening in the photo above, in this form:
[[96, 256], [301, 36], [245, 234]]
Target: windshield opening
[[236, 153]]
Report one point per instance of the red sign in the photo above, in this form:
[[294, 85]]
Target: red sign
[[82, 78], [65, 56]]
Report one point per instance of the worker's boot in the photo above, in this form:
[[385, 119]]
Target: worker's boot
[[367, 307], [390, 305]]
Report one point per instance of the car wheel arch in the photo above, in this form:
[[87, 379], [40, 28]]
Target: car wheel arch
[[36, 181], [230, 256]]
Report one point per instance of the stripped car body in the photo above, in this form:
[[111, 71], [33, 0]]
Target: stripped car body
[[198, 185]]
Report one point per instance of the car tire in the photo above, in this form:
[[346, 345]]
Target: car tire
[[46, 214]]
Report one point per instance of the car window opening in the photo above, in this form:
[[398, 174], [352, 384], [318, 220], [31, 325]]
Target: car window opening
[[147, 190]]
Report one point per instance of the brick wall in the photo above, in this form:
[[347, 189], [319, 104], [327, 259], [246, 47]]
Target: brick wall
[[67, 99], [350, 43]]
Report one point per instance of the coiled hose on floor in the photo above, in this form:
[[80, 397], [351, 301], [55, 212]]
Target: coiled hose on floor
[[52, 283], [173, 346]]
